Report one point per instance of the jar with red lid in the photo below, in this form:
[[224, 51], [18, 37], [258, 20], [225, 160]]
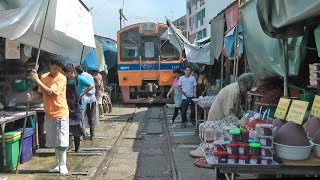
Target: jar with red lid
[[220, 156], [244, 135], [243, 159], [244, 149], [232, 159], [232, 148], [254, 160]]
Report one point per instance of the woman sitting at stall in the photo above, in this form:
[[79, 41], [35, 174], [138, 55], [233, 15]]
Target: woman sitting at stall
[[74, 83], [202, 84]]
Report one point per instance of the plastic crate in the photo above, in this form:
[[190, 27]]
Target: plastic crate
[[26, 151]]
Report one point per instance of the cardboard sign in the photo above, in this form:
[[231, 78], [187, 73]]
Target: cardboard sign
[[297, 111], [282, 108], [315, 110], [12, 49]]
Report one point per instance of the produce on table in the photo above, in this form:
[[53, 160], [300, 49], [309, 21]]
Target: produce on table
[[292, 134], [311, 126]]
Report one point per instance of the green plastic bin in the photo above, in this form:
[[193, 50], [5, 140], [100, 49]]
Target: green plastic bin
[[12, 150], [304, 95]]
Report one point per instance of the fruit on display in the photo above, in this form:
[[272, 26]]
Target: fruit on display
[[291, 134], [311, 126], [270, 96]]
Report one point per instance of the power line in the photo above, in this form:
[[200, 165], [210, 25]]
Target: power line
[[103, 6]]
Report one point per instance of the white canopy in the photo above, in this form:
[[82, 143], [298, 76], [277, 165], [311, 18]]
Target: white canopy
[[67, 28]]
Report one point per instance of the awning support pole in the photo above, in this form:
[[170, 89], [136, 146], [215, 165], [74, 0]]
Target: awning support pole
[[286, 67]]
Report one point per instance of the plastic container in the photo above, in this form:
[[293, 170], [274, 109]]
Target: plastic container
[[244, 135], [209, 134], [244, 149], [235, 135], [266, 160], [266, 129], [232, 148], [243, 159], [220, 156], [254, 149], [20, 85], [12, 149], [266, 151], [266, 140], [252, 141], [220, 145], [316, 150], [232, 159], [254, 160], [26, 151]]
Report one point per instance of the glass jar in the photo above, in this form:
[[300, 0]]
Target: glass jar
[[266, 140], [254, 160], [266, 160], [254, 149], [244, 149], [232, 148], [220, 156], [243, 159], [244, 135], [232, 159], [266, 151], [209, 135], [235, 136]]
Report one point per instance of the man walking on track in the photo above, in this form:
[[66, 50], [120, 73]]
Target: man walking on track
[[187, 86]]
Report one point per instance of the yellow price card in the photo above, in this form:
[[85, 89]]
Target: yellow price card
[[315, 110], [282, 108], [297, 111]]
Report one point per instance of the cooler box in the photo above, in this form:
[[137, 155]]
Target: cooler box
[[12, 149], [26, 152]]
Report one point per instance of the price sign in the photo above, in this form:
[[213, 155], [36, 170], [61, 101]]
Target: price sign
[[297, 111], [282, 108], [315, 110]]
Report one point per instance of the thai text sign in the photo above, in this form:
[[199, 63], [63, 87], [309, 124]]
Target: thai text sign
[[297, 111], [315, 110], [282, 108]]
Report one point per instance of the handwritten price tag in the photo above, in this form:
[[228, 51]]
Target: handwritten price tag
[[297, 111], [282, 108], [315, 110]]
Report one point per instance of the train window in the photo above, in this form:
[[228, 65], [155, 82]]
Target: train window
[[149, 49], [129, 45], [168, 51]]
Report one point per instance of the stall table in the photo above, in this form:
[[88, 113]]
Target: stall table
[[16, 115], [205, 109], [284, 167]]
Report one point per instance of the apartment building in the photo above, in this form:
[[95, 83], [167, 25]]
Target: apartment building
[[198, 15], [181, 24]]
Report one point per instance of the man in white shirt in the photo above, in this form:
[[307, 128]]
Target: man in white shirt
[[187, 86]]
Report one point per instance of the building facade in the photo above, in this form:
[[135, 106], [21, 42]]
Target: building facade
[[181, 24], [198, 15]]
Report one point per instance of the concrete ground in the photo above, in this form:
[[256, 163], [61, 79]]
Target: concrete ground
[[131, 143]]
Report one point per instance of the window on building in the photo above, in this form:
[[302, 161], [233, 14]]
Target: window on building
[[202, 2], [189, 7]]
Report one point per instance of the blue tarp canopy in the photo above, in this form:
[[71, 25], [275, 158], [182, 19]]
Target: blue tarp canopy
[[110, 52]]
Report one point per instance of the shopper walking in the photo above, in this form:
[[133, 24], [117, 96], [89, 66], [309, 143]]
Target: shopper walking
[[74, 94], [177, 96], [52, 89], [187, 86], [88, 103], [98, 81]]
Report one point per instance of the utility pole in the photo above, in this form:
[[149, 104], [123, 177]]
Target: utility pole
[[121, 15]]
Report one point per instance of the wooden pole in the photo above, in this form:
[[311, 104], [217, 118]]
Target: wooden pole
[[28, 104], [286, 67]]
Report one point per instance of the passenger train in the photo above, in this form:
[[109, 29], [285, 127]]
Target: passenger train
[[145, 63]]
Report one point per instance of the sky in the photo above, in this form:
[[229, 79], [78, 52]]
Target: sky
[[105, 13]]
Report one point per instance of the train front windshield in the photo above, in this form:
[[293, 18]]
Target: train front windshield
[[134, 46]]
